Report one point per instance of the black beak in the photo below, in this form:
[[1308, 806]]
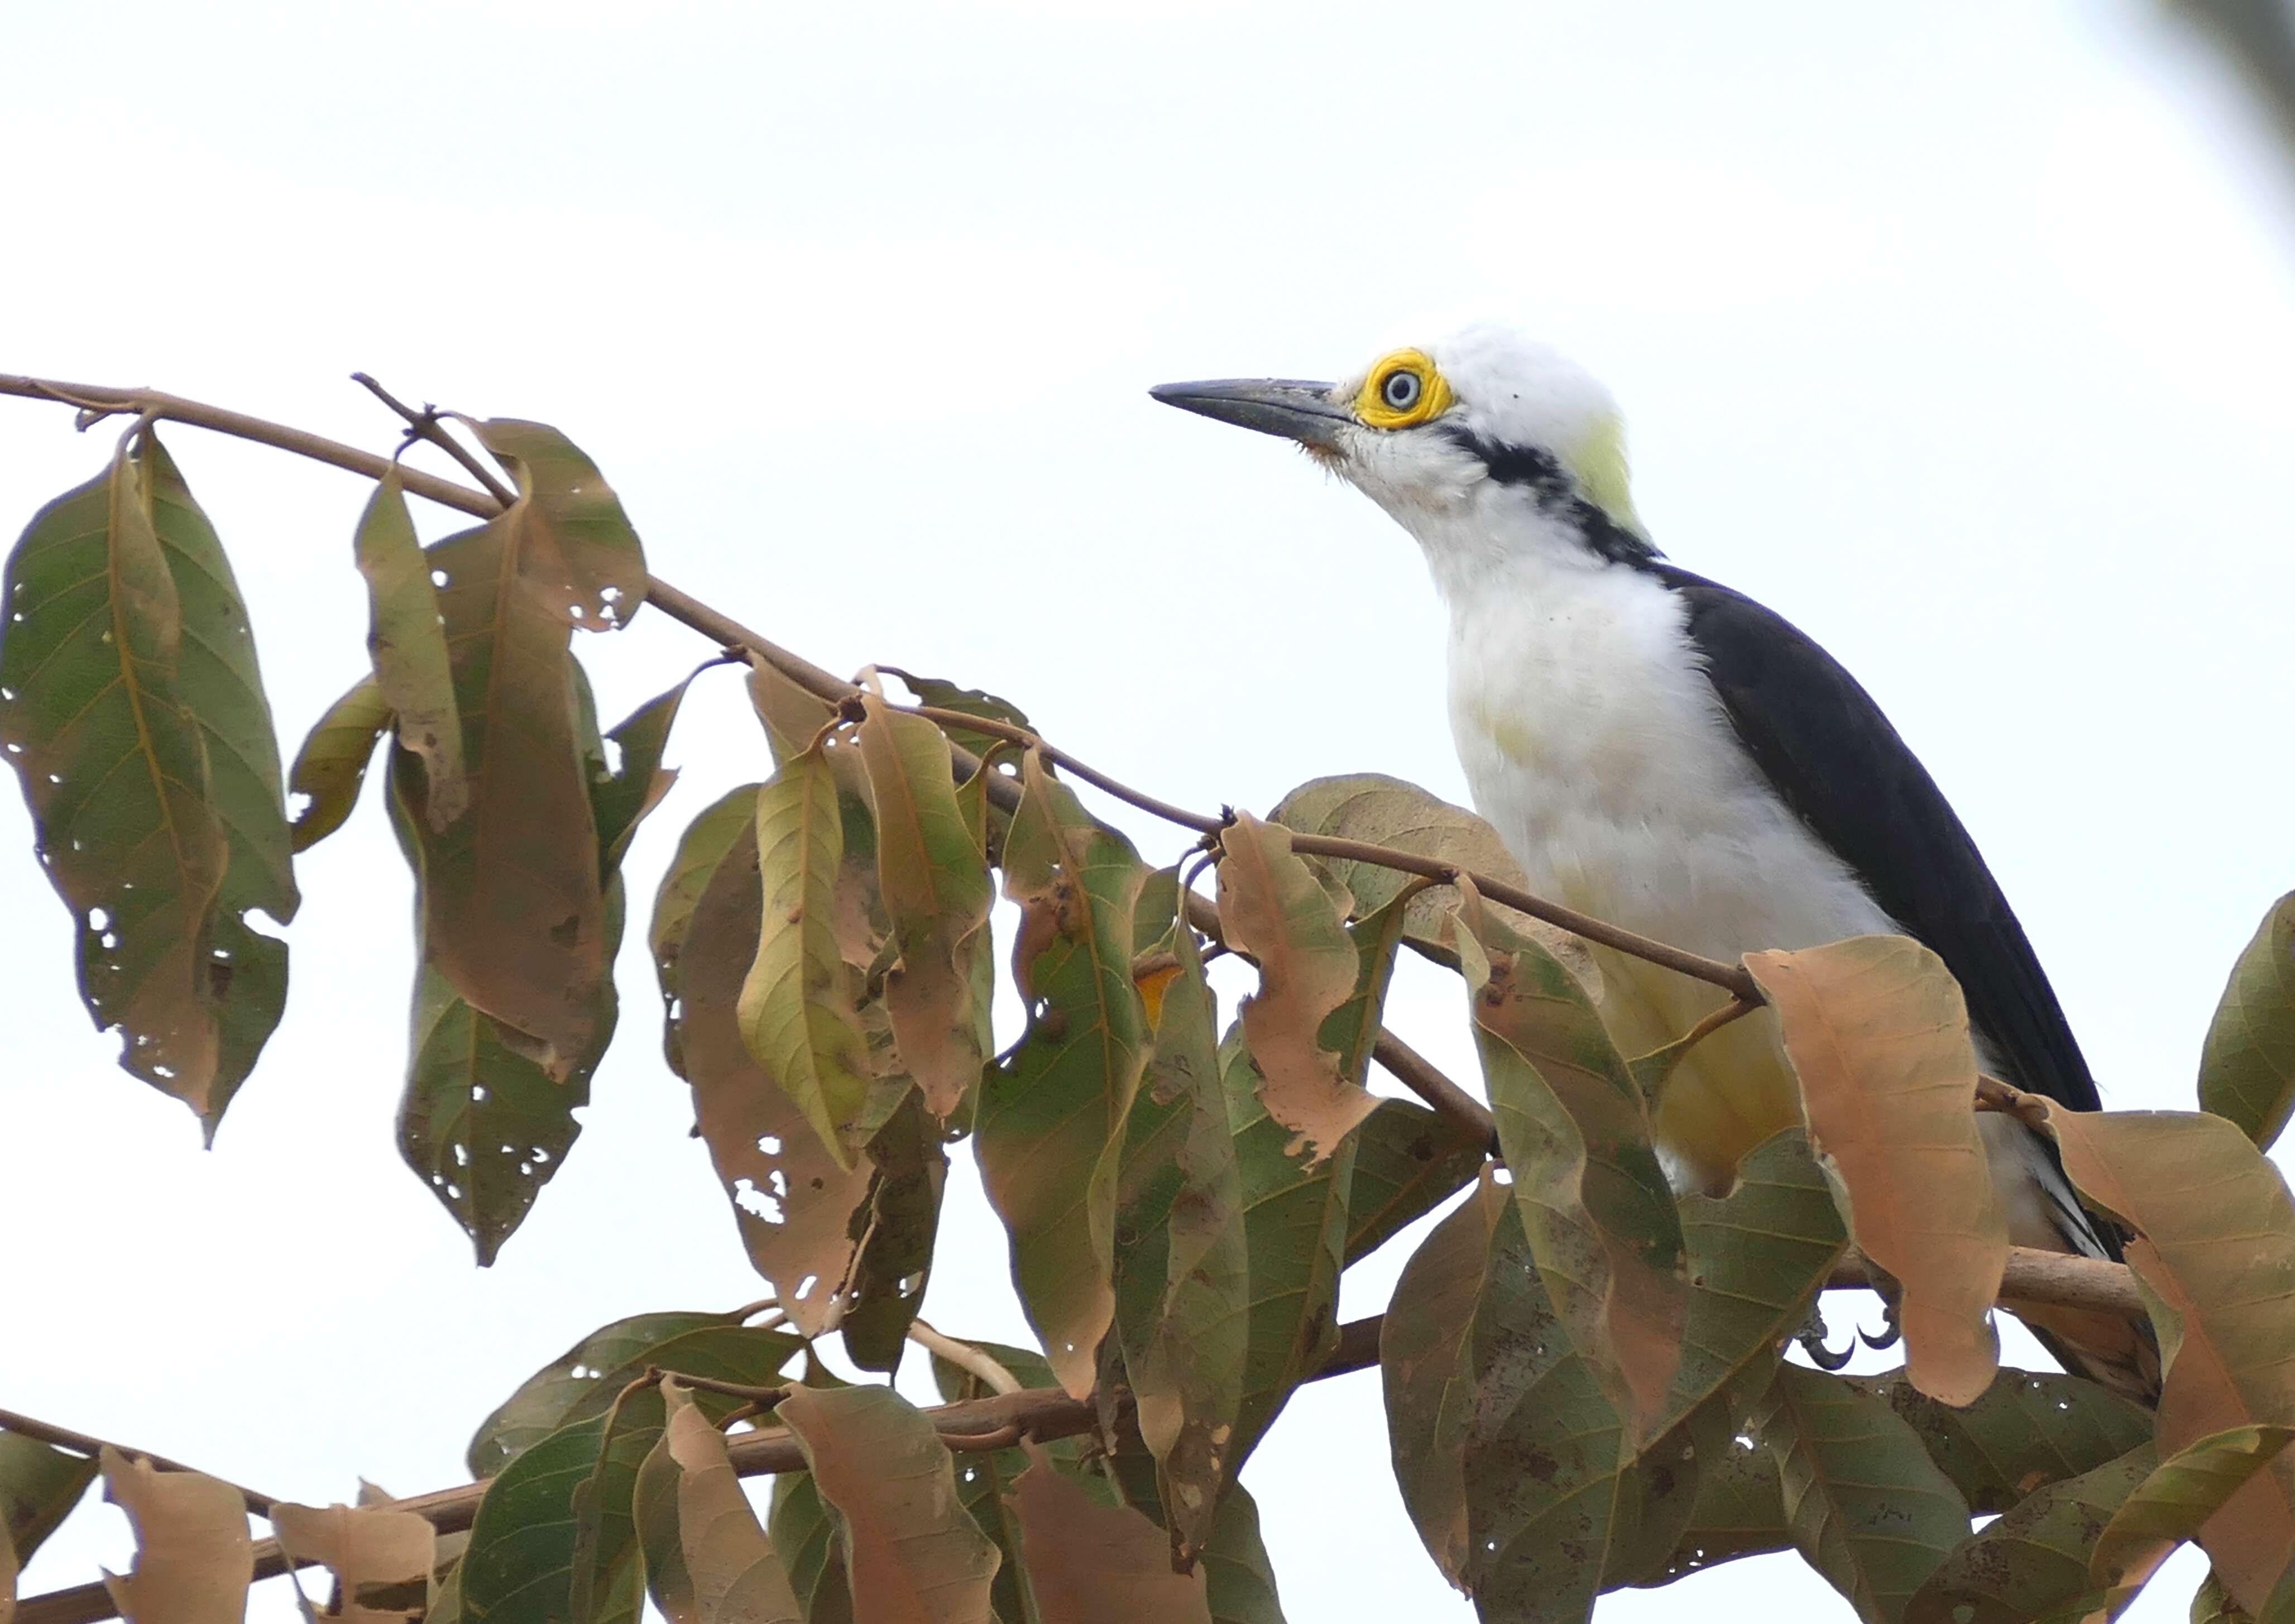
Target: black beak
[[1286, 406]]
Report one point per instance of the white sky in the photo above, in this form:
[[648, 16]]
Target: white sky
[[1964, 340]]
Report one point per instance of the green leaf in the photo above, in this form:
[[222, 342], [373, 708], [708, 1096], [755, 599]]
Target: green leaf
[[797, 1007], [528, 1530], [406, 639], [573, 541], [894, 1262], [1575, 1128], [1739, 1511], [805, 1538], [1050, 1121], [582, 1382], [943, 695], [1868, 1507], [2029, 1429], [1408, 1161], [39, 1486], [2172, 1503], [699, 850], [933, 874], [640, 782], [2247, 1069], [133, 710], [332, 762]]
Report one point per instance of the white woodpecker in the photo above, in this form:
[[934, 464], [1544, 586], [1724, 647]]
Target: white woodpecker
[[1665, 753]]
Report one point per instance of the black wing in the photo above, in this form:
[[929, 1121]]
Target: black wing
[[1829, 752]]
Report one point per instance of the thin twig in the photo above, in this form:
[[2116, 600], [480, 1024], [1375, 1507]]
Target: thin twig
[[1423, 1078], [81, 1443], [424, 425], [763, 1397], [964, 1356]]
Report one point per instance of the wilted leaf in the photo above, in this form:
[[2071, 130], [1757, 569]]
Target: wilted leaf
[[798, 1210], [1183, 1293], [1273, 910], [2031, 1428], [895, 1264], [406, 639], [333, 761], [363, 1549], [1877, 1034], [2247, 1070], [985, 1477], [912, 1554], [699, 850], [797, 1006], [1370, 806], [582, 1382], [566, 528], [1868, 1507], [39, 1488], [707, 1561], [1050, 1128], [131, 707], [2215, 1254], [193, 1558], [1575, 1128], [933, 877], [1090, 1564]]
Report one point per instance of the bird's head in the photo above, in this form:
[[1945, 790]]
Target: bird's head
[[1483, 434]]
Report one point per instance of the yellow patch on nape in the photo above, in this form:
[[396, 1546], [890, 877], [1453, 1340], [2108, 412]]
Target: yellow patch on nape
[[1403, 389], [1599, 464]]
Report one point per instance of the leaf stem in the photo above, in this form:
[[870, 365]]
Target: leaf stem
[[424, 425], [975, 1361]]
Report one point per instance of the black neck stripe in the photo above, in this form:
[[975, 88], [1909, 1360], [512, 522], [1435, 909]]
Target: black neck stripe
[[1542, 473]]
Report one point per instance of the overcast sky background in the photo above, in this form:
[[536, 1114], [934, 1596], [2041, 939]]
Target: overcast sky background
[[1964, 338]]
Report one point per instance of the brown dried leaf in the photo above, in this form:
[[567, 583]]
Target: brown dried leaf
[[362, 1547], [933, 877], [708, 1560], [572, 539], [1877, 1034], [407, 642], [193, 1558], [1600, 1218], [1090, 1564], [2215, 1254], [795, 1204], [1274, 910], [913, 1552]]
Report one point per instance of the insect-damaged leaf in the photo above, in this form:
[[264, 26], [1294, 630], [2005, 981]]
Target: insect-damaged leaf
[[566, 528], [583, 1381], [1090, 1564], [332, 763], [382, 1559], [933, 877], [1868, 1507], [708, 1561], [798, 1013], [1575, 1128], [1272, 908], [193, 1558], [942, 694], [406, 640], [38, 1489], [2215, 1255], [1050, 1122], [2031, 1428], [1877, 1034], [132, 708], [2247, 1070], [1183, 1288], [914, 1556], [1370, 806], [699, 850], [797, 1207], [636, 786]]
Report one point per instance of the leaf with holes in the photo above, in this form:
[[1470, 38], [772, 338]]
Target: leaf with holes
[[797, 1007], [582, 1382], [566, 528], [331, 765], [406, 640], [2029, 1429], [1575, 1128], [2215, 1256], [1273, 911], [912, 1554], [1877, 1035], [708, 1561], [940, 694], [193, 1558], [1738, 1511], [2247, 1070], [933, 877], [1868, 1507], [640, 781], [799, 1210], [131, 708], [699, 850], [1049, 1131]]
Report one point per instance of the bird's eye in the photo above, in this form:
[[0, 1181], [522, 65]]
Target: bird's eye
[[1401, 389]]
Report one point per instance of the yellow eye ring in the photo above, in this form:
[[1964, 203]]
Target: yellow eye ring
[[1404, 389]]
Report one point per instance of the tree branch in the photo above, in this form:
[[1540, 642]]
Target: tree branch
[[80, 1443]]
